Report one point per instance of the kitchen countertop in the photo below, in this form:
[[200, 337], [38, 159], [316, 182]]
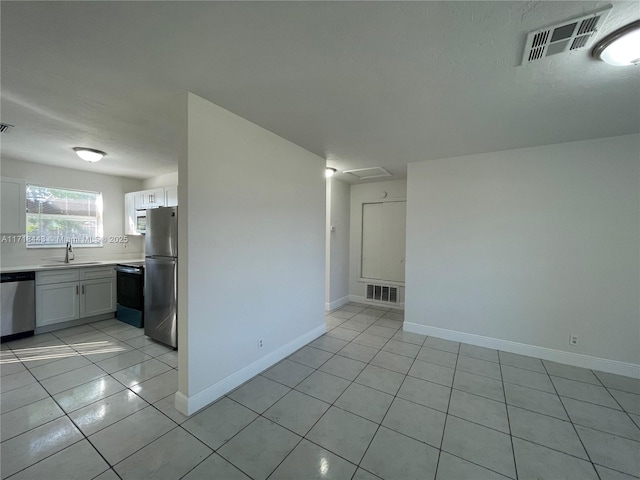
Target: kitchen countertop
[[58, 265]]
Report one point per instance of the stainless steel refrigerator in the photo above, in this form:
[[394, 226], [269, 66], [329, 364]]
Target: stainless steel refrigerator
[[160, 275]]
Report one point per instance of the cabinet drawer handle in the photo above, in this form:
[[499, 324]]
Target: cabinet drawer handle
[[77, 291], [83, 289]]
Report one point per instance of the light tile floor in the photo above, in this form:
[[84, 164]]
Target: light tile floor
[[364, 401]]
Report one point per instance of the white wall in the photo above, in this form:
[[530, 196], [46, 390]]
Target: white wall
[[254, 230], [338, 216], [166, 180], [368, 193], [113, 190], [530, 246]]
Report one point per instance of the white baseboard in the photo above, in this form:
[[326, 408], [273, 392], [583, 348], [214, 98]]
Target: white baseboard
[[336, 304], [182, 403], [366, 301], [190, 405], [575, 359]]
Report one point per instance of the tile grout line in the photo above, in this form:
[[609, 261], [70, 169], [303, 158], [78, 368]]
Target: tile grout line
[[463, 391], [66, 414], [506, 407], [620, 409], [315, 369], [616, 400], [260, 415], [379, 425], [572, 424], [475, 423], [149, 404], [333, 354], [457, 389], [446, 414], [332, 404], [446, 417], [412, 402]]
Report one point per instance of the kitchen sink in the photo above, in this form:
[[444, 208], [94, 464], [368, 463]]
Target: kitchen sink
[[70, 264]]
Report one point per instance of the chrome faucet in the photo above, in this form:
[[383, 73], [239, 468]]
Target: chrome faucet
[[69, 255]]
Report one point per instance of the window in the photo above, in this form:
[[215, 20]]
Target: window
[[56, 216]]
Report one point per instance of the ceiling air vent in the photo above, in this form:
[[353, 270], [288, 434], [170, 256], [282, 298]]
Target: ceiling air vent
[[563, 37], [4, 127], [366, 173]]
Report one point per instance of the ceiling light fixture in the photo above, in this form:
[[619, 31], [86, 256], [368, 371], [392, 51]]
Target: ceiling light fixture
[[90, 155], [329, 172], [620, 48]]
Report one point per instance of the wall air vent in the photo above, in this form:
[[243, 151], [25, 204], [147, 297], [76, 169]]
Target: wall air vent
[[382, 293], [563, 37], [366, 173], [4, 127]]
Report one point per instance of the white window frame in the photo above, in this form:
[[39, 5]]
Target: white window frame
[[37, 239]]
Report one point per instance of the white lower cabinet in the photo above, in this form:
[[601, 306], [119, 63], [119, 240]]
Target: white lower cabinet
[[97, 296], [70, 294], [57, 303]]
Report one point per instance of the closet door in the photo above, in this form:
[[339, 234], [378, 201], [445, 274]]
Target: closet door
[[383, 241], [393, 241], [372, 225]]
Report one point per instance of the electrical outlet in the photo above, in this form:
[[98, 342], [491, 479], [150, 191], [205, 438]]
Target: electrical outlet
[[260, 344], [573, 340]]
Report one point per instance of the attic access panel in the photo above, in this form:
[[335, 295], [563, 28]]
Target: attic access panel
[[563, 37], [366, 173]]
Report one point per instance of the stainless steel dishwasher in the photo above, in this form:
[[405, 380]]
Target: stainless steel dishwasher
[[18, 314]]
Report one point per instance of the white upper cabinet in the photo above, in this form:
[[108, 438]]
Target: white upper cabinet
[[143, 200], [171, 196], [14, 207], [150, 198]]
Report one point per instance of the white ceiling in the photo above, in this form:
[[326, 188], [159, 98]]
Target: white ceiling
[[362, 84]]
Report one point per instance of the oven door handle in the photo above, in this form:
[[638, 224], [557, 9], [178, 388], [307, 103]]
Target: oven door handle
[[126, 269]]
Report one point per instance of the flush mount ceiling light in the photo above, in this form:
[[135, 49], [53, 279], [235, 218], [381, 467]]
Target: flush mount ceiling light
[[90, 155], [620, 48], [329, 172]]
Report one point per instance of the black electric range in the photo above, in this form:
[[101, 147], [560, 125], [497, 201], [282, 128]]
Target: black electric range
[[130, 293]]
